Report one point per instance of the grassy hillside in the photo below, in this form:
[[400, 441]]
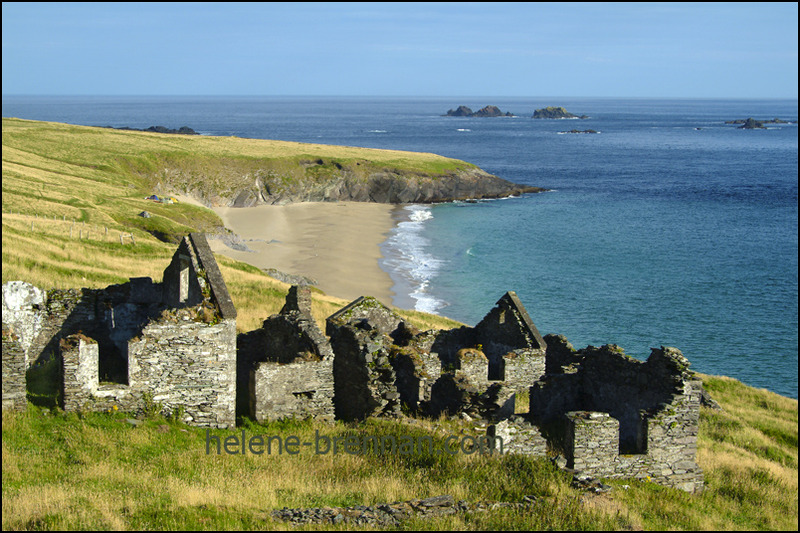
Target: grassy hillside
[[97, 471], [64, 185], [208, 167], [70, 192]]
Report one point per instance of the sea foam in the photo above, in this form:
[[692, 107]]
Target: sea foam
[[409, 262]]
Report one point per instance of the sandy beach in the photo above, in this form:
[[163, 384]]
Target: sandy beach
[[335, 243]]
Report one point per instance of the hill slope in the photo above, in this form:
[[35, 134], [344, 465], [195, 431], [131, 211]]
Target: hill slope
[[72, 196], [99, 471], [243, 172]]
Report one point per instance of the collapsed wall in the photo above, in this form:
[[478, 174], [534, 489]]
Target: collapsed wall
[[290, 370], [364, 377], [614, 416], [384, 366]]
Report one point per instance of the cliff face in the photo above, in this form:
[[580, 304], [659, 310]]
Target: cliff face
[[386, 186]]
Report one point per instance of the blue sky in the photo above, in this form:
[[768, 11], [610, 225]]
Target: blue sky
[[705, 50]]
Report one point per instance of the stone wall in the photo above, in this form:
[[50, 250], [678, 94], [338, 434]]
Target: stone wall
[[289, 364], [23, 314], [592, 443], [511, 342], [517, 435], [522, 368], [475, 371], [624, 417], [14, 367], [364, 379], [412, 378], [80, 372], [456, 395], [473, 365], [80, 386], [295, 390], [188, 366], [178, 359]]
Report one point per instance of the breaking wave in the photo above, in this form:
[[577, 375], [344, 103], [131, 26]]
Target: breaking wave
[[409, 263]]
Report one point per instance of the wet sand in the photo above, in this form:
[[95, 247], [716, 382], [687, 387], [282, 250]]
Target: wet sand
[[335, 243]]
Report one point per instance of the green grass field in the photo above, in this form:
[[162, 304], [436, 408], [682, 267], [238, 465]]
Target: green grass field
[[97, 471], [69, 192]]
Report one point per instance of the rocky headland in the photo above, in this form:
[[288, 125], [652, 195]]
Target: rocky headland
[[488, 111], [389, 186], [183, 130], [555, 113]]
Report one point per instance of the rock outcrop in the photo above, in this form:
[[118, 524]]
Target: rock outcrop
[[183, 130], [555, 113], [488, 111], [753, 124], [389, 186], [460, 111]]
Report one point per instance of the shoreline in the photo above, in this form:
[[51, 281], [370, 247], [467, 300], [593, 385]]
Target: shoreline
[[337, 244]]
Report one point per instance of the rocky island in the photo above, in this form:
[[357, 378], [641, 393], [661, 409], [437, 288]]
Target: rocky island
[[488, 111], [555, 113], [753, 124], [183, 130]]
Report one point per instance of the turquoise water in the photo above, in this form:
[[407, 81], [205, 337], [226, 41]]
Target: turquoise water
[[668, 227]]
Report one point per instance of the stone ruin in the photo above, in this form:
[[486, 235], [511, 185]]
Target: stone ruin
[[386, 367], [135, 346], [173, 345], [287, 365]]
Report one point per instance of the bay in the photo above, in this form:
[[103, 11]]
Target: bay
[[668, 227]]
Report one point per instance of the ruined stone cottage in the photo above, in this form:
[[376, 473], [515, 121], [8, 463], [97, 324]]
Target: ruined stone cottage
[[170, 344], [174, 345], [286, 366], [389, 367], [608, 414]]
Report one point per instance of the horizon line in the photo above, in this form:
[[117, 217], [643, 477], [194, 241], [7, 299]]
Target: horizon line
[[198, 95]]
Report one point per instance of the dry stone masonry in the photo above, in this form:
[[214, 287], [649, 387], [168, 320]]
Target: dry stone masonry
[[169, 345], [291, 368], [172, 346], [393, 514]]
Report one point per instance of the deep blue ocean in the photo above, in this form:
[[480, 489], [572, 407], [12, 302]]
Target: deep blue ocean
[[668, 227]]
